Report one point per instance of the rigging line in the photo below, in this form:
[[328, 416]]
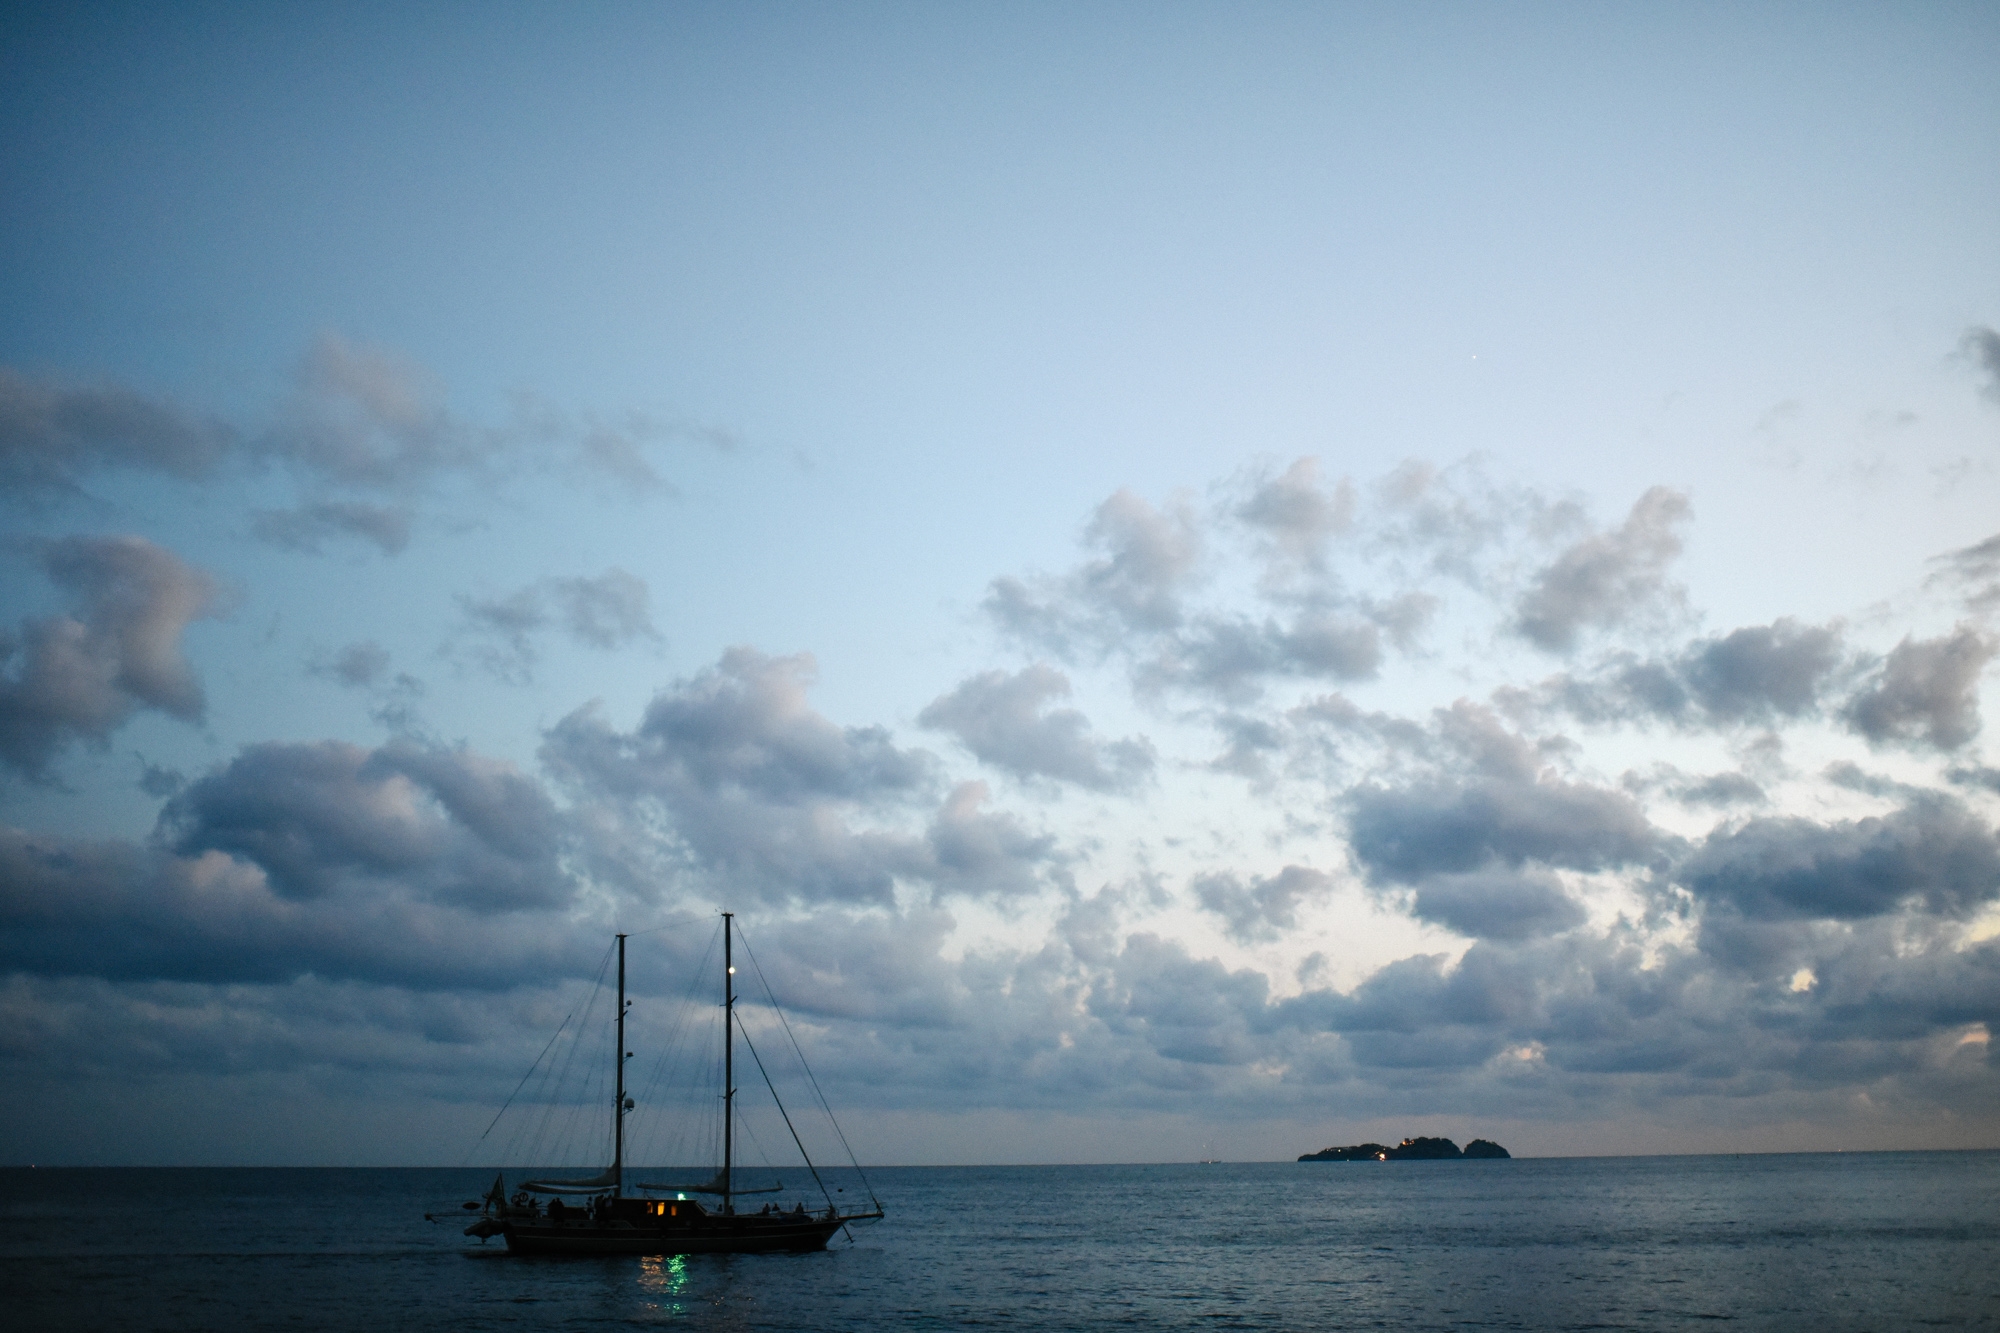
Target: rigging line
[[525, 1077], [561, 1079], [525, 1143], [772, 996], [786, 1114], [666, 1067]]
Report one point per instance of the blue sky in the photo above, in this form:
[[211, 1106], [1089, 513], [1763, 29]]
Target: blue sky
[[1283, 574]]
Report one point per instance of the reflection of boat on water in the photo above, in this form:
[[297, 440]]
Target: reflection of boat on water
[[661, 1218]]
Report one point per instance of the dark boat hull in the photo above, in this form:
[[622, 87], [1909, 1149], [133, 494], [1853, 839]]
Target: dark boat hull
[[752, 1234]]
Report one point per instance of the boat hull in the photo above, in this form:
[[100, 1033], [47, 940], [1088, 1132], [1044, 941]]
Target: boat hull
[[708, 1235]]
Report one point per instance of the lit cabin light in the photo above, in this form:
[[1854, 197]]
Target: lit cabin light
[[732, 971]]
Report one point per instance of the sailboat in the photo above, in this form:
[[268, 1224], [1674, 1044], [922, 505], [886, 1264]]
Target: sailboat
[[612, 1221]]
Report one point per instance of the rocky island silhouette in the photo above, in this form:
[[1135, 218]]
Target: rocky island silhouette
[[1409, 1150]]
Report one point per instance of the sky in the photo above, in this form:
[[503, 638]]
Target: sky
[[1205, 580]]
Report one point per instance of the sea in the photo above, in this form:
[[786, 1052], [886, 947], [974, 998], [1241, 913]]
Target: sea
[[1824, 1242]]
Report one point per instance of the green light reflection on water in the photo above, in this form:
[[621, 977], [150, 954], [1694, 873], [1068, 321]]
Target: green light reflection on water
[[664, 1277]]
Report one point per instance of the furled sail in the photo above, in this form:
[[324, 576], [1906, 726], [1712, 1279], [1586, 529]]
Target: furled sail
[[604, 1180], [714, 1186]]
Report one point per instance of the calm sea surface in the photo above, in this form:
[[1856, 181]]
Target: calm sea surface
[[1863, 1241]]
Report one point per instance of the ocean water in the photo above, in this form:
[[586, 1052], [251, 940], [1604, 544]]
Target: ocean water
[[1883, 1241]]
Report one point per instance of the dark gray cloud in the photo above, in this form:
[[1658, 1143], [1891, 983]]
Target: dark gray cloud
[[1981, 346], [1263, 909], [1976, 776], [404, 865], [1228, 658], [1932, 855], [608, 612], [1604, 579], [53, 434], [733, 778], [1405, 834], [438, 825], [1004, 720], [80, 676], [309, 527], [1497, 904], [980, 854], [1761, 671], [1755, 675], [74, 907], [1478, 829], [1927, 691]]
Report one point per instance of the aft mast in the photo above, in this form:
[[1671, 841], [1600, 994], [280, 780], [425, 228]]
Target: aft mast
[[618, 1098], [728, 1058]]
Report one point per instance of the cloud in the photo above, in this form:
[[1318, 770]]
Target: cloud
[[441, 825], [1404, 835], [52, 434], [1492, 804], [75, 907], [1979, 776], [1136, 586], [1150, 555], [1978, 566], [1603, 579], [365, 418], [81, 676], [1496, 904], [1758, 674], [365, 666], [1227, 659], [1264, 909], [1477, 836], [1927, 692], [981, 854], [309, 527], [1004, 721], [1134, 600], [618, 447], [405, 865], [362, 665], [1721, 789], [1981, 346], [1298, 516], [607, 612], [733, 778], [1932, 855]]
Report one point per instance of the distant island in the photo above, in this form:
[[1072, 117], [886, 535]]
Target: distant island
[[1409, 1150]]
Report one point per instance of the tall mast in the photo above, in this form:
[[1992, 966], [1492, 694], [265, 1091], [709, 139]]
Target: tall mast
[[728, 1056], [618, 1099]]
